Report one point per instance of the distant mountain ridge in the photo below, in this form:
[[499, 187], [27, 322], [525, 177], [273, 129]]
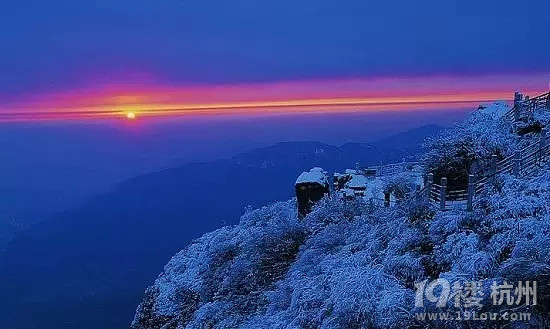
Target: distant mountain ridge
[[392, 148], [75, 267]]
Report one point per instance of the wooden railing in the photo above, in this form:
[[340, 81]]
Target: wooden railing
[[394, 168], [523, 162], [526, 107]]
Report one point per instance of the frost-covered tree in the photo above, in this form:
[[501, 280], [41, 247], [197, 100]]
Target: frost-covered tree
[[400, 185], [469, 146]]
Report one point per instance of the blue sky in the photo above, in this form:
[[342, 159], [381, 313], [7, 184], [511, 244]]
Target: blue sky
[[59, 44]]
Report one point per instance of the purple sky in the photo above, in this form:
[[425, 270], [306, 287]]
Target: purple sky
[[59, 45]]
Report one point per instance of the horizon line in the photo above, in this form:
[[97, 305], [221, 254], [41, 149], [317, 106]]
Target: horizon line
[[338, 96]]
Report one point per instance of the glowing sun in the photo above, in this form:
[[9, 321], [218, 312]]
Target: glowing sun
[[130, 115]]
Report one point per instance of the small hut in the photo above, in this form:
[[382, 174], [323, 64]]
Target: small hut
[[311, 186], [358, 184]]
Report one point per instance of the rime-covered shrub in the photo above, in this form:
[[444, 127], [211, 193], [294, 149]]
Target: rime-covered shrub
[[533, 123], [220, 278], [348, 264], [400, 185], [468, 147]]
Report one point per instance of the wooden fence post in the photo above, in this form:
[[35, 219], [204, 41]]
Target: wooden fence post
[[387, 199], [527, 106], [542, 144], [430, 185], [471, 190], [518, 97], [443, 193], [517, 164]]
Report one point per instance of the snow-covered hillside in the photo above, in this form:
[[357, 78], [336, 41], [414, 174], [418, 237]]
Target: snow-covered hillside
[[349, 264]]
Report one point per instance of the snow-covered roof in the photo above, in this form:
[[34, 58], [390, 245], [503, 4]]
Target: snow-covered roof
[[315, 175], [357, 181]]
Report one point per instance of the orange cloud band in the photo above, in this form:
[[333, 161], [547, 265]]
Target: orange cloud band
[[349, 95]]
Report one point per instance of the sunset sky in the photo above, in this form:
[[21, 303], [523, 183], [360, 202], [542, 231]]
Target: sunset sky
[[329, 95], [101, 59], [123, 122], [207, 79]]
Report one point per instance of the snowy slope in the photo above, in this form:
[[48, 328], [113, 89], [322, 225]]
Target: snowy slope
[[350, 265], [345, 265], [496, 109]]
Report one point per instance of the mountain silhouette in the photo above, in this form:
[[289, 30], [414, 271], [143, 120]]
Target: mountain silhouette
[[88, 267]]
